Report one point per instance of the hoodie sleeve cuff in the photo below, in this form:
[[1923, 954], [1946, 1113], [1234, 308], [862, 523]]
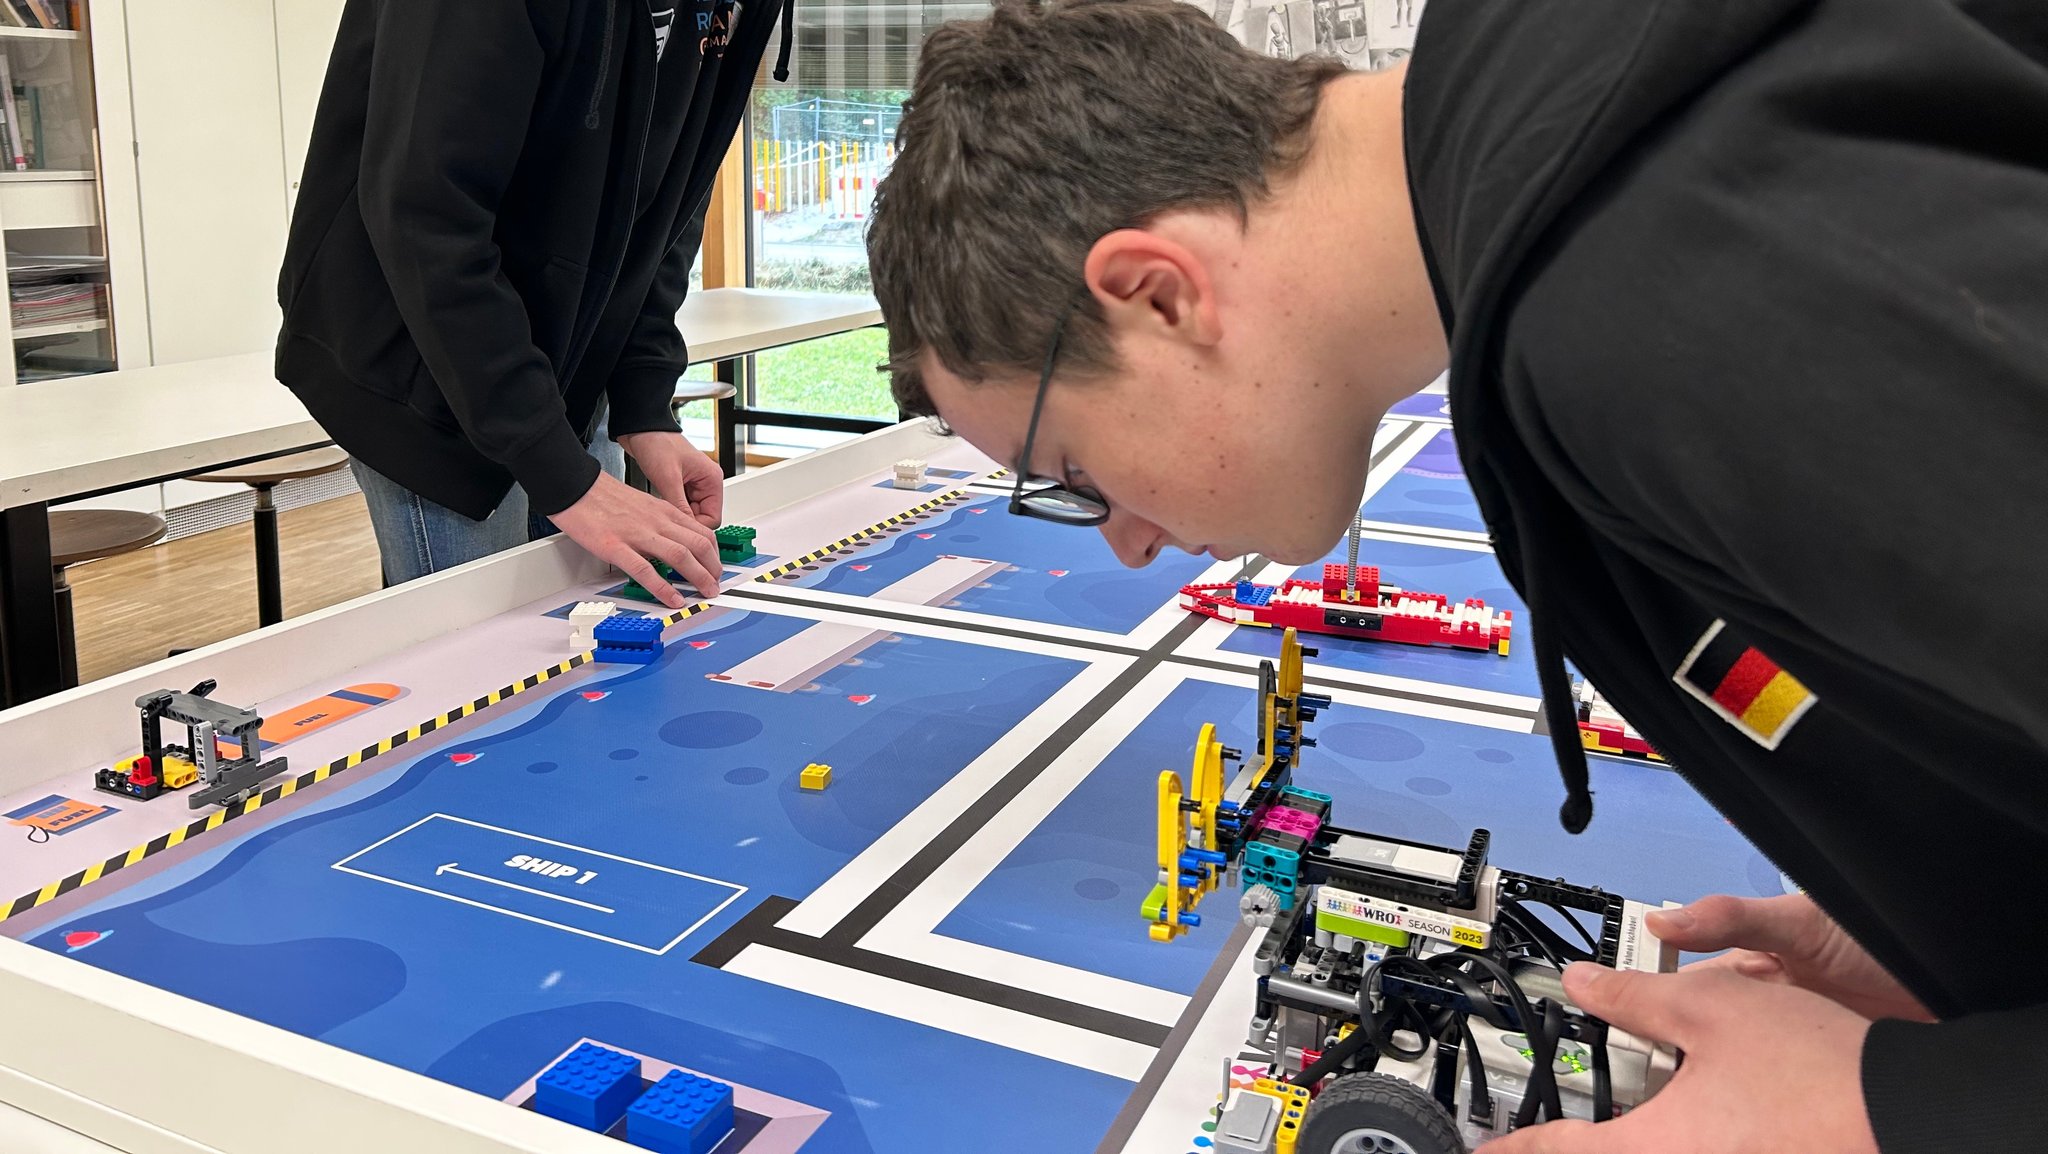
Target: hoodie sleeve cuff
[[640, 400], [1972, 1084], [555, 471]]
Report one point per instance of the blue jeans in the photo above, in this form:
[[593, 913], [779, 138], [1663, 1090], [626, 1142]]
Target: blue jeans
[[416, 537]]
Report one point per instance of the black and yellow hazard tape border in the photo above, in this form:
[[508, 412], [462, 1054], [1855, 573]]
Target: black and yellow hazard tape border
[[879, 528], [284, 789]]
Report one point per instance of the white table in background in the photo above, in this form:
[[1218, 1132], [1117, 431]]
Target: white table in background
[[80, 437]]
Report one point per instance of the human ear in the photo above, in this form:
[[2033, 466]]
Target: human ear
[[1146, 283]]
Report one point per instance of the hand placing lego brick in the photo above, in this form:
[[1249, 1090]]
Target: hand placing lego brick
[[627, 527], [1767, 1066], [1788, 940], [681, 474]]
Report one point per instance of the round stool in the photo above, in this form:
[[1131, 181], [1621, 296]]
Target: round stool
[[720, 393], [87, 535], [688, 392], [263, 476]]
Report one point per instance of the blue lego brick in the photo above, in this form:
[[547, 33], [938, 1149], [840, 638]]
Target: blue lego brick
[[591, 1088], [1312, 795], [618, 656], [628, 640], [1252, 594], [630, 632], [681, 1114]]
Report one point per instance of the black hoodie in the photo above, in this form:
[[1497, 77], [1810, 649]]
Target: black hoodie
[[1748, 312], [501, 203]]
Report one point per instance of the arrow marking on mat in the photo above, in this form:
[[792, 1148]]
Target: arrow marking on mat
[[450, 869]]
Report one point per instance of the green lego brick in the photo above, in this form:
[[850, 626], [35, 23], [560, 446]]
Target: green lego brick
[[735, 542], [638, 592]]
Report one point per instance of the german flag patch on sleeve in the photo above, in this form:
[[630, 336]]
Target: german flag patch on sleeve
[[1749, 690]]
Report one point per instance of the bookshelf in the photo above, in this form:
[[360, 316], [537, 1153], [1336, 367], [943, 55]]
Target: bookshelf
[[60, 317]]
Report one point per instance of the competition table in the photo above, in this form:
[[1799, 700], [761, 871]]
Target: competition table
[[81, 437], [384, 948]]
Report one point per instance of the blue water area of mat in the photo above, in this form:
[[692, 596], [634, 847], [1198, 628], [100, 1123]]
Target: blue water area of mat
[[1429, 491], [652, 792], [1058, 574]]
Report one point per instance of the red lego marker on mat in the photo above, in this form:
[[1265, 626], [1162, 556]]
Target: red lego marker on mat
[[463, 758], [861, 698]]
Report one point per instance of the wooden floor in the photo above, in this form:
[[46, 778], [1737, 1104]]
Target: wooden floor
[[134, 609]]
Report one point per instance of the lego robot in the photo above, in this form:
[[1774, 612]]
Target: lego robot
[[1411, 995], [228, 777]]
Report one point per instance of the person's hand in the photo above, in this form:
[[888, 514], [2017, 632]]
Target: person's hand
[[625, 527], [687, 478], [1768, 1067], [1790, 941]]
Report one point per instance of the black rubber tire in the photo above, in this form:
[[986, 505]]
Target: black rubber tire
[[1380, 1102]]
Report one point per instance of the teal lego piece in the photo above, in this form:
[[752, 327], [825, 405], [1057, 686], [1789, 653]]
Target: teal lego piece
[[681, 1114], [591, 1087], [1310, 794], [1274, 867]]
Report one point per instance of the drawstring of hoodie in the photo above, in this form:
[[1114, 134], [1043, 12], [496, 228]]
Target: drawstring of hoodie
[[1558, 713], [604, 66], [788, 37]]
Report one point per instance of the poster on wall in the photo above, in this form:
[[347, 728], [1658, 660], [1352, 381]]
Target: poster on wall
[[1364, 34]]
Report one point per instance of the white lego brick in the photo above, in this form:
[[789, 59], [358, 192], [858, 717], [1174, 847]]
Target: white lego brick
[[909, 474], [1395, 915], [584, 620], [1640, 949]]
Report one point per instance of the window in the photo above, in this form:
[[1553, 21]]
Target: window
[[817, 145]]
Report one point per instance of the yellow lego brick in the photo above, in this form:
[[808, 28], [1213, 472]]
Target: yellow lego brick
[[177, 772], [1289, 1132], [816, 776], [1293, 1108]]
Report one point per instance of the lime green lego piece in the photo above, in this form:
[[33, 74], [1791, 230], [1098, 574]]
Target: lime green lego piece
[[1155, 904], [1382, 934]]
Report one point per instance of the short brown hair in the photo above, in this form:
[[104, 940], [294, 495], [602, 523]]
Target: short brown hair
[[1034, 132]]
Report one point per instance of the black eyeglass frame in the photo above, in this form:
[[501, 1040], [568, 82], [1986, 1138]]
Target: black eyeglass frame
[[1053, 501]]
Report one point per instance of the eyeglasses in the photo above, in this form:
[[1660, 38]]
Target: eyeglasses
[[1052, 501]]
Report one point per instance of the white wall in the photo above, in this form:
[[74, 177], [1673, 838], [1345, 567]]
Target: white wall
[[305, 37], [221, 112], [210, 174]]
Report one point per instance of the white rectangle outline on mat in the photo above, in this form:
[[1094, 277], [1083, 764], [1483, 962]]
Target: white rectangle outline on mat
[[737, 889]]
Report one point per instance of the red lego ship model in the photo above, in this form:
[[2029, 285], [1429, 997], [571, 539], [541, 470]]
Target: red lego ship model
[[1602, 729], [1361, 607]]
